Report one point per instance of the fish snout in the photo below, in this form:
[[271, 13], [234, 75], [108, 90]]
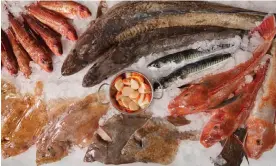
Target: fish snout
[[253, 147]]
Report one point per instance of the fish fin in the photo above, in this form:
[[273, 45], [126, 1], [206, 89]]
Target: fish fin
[[241, 143], [266, 28], [182, 87], [227, 101]]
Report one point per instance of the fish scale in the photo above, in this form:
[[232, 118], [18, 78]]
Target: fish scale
[[191, 68]]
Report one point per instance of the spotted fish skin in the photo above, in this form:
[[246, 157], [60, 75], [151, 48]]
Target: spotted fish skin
[[187, 56], [182, 72]]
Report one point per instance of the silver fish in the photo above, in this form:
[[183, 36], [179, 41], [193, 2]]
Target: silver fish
[[187, 56], [182, 72]]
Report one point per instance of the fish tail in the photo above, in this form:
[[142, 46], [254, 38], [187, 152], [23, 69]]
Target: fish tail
[[266, 28]]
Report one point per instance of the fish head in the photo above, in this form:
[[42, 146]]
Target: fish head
[[218, 128], [47, 153], [84, 12], [191, 99], [57, 48], [12, 69], [260, 137], [46, 63]]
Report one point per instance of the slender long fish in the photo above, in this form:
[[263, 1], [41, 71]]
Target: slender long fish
[[37, 52], [69, 9], [186, 56], [127, 20], [51, 38], [261, 134], [182, 72], [8, 59], [21, 55], [54, 21]]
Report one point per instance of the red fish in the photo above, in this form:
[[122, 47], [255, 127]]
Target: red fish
[[260, 125], [54, 21], [69, 9], [21, 55], [226, 119], [214, 89], [51, 38], [8, 59], [36, 51]]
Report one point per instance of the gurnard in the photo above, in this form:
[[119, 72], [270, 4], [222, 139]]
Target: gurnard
[[51, 38], [127, 20], [54, 20], [230, 115], [126, 53], [260, 125], [69, 9], [184, 71], [37, 52], [8, 59], [211, 90], [21, 55]]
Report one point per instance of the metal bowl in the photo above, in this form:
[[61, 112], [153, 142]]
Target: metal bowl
[[113, 91]]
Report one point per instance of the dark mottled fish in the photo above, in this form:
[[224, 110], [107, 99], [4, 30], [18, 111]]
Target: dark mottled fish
[[129, 139], [119, 128], [117, 58], [157, 142], [129, 19], [187, 56], [182, 72], [232, 153]]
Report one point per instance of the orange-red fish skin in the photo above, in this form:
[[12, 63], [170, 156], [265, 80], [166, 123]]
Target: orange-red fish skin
[[37, 52], [7, 56], [260, 137], [51, 38], [54, 21], [261, 134], [69, 9], [227, 119], [21, 55]]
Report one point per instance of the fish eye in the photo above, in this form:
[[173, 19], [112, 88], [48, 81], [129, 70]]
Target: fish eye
[[259, 142], [216, 127]]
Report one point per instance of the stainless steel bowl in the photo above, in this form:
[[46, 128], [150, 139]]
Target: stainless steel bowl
[[112, 92]]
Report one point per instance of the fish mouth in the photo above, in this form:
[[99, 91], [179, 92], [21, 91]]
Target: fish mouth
[[75, 64], [207, 141], [251, 149]]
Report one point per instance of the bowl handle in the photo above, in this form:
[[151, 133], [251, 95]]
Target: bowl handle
[[162, 90], [99, 94]]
